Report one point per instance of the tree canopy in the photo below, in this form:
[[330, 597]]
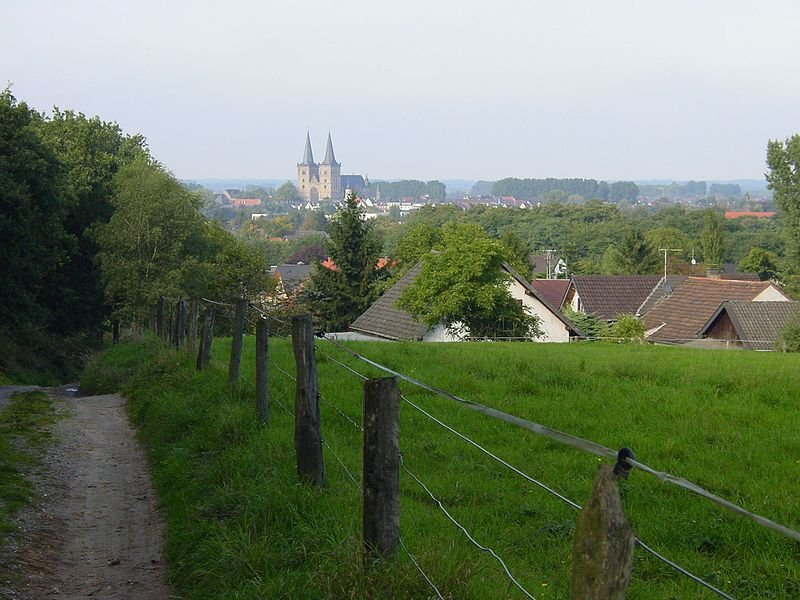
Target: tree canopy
[[340, 292], [463, 286]]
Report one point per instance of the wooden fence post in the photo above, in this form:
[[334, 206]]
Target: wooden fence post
[[236, 342], [381, 475], [262, 371], [115, 331], [204, 355], [160, 318], [194, 316], [307, 432], [602, 558], [180, 323]]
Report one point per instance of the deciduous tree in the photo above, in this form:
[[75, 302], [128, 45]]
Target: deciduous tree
[[463, 285]]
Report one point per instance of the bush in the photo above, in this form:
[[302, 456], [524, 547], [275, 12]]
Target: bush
[[628, 328], [789, 338]]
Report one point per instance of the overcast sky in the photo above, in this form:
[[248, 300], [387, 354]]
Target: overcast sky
[[684, 89]]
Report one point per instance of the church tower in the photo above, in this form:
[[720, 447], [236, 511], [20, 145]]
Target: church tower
[[321, 181], [330, 174]]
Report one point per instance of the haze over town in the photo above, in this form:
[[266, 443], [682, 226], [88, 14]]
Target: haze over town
[[445, 90]]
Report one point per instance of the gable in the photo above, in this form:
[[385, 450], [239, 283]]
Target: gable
[[607, 296], [682, 315]]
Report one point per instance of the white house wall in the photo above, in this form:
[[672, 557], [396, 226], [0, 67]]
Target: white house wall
[[440, 333], [552, 327], [771, 294]]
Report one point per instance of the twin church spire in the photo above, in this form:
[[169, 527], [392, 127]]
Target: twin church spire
[[319, 181], [308, 155]]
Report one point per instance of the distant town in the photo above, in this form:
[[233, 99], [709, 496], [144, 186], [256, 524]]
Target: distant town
[[319, 186]]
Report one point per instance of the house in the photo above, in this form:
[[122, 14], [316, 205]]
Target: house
[[749, 325], [245, 202], [679, 316], [552, 266], [291, 278], [385, 320], [553, 290], [607, 296]]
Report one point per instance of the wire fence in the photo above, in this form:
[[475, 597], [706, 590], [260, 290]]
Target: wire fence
[[584, 445], [527, 478]]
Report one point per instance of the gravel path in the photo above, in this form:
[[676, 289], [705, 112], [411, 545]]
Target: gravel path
[[96, 531]]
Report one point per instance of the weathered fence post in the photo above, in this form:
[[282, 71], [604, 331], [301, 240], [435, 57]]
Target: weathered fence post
[[204, 355], [171, 325], [194, 316], [236, 342], [160, 319], [381, 475], [307, 432], [180, 323], [262, 371], [115, 331], [602, 558]]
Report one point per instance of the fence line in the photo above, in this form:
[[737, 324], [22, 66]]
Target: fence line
[[561, 497], [464, 530], [586, 445], [581, 444]]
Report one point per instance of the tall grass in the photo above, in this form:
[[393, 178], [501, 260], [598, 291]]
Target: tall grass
[[240, 526]]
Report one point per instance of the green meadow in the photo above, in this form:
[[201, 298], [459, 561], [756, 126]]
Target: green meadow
[[239, 524]]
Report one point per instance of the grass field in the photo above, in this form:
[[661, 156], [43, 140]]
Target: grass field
[[240, 526]]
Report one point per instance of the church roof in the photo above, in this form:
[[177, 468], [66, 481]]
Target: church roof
[[308, 155], [330, 159]]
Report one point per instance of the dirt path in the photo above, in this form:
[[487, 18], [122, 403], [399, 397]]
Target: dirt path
[[96, 532]]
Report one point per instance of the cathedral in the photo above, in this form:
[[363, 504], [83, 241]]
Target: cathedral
[[319, 181]]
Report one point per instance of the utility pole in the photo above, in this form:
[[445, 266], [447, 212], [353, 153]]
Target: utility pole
[[665, 251], [548, 258]]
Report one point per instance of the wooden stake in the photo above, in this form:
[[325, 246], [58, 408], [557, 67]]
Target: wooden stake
[[236, 342], [381, 474], [204, 355], [602, 558], [307, 432], [262, 371], [194, 317]]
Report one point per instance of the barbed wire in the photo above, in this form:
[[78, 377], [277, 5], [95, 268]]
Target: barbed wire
[[579, 443]]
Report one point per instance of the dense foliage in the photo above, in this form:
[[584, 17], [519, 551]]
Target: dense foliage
[[408, 188], [94, 228], [550, 188], [342, 290], [462, 286]]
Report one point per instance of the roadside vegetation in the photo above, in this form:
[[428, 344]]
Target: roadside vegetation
[[24, 435], [240, 526]]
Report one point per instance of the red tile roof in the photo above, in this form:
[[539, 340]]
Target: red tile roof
[[735, 214], [553, 290], [681, 315]]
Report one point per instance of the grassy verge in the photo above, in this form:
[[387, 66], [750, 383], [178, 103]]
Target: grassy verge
[[107, 372], [239, 525], [23, 436]]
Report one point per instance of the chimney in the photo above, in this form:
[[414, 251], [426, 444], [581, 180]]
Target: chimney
[[713, 273]]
